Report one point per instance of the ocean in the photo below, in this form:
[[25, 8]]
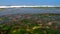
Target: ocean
[[42, 10]]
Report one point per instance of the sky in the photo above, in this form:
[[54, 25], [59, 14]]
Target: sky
[[29, 2]]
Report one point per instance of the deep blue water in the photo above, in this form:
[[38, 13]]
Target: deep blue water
[[29, 11]]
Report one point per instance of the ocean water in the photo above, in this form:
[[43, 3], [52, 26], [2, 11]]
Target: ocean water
[[29, 11]]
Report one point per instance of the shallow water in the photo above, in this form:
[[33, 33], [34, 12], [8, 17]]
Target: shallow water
[[29, 11], [18, 23]]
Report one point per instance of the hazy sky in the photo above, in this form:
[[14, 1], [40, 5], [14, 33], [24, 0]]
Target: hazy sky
[[29, 2]]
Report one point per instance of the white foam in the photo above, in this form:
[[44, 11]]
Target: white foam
[[26, 6]]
